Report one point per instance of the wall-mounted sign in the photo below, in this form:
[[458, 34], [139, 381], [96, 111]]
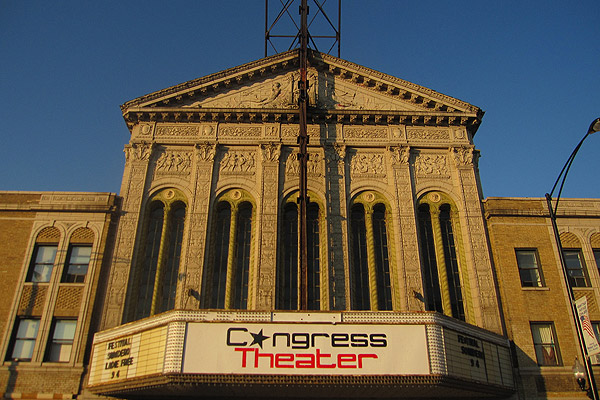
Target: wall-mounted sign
[[129, 356], [318, 349]]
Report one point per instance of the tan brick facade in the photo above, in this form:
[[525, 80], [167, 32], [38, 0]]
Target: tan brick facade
[[59, 219], [516, 224]]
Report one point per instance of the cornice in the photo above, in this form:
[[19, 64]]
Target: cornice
[[358, 117]]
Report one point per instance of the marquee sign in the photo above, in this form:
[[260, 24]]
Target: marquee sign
[[307, 349]]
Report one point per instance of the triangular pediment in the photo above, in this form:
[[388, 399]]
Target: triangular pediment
[[336, 86]]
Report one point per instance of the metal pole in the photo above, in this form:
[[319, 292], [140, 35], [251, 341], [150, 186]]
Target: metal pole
[[580, 339], [594, 127], [303, 157]]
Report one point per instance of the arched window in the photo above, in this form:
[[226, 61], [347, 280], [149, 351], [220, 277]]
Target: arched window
[[370, 280], [441, 262], [288, 274], [154, 281], [226, 276]]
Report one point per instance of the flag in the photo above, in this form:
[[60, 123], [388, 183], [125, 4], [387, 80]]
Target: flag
[[589, 337]]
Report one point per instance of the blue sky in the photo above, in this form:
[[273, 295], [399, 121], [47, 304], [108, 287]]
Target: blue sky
[[66, 67]]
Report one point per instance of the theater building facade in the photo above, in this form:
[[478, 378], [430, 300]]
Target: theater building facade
[[192, 285]]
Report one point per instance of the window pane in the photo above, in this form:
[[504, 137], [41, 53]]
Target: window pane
[[313, 255], [360, 267], [24, 340], [168, 280], [596, 358], [43, 262], [215, 275], [528, 268], [61, 342], [77, 267], [450, 257], [433, 297], [597, 257], [287, 276], [577, 276], [382, 261], [242, 256], [546, 350]]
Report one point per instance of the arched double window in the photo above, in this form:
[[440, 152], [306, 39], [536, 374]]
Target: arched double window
[[154, 281], [443, 281], [288, 273], [370, 280], [226, 275]]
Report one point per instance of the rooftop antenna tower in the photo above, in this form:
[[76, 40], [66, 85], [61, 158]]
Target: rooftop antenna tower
[[302, 40], [282, 27]]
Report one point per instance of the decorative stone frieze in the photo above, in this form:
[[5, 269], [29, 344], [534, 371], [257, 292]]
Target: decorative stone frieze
[[174, 162], [240, 131], [367, 165], [431, 165], [176, 130], [428, 134], [238, 162]]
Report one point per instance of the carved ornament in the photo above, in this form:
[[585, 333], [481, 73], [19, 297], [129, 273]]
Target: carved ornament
[[365, 132], [240, 131], [429, 164], [174, 162], [292, 165], [463, 156], [400, 154], [138, 151], [242, 162], [176, 130], [206, 151], [367, 164], [428, 134], [271, 151]]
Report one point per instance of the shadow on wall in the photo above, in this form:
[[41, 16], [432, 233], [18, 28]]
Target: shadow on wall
[[535, 381]]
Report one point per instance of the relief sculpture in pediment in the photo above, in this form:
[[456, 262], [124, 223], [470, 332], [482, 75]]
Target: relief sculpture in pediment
[[325, 91]]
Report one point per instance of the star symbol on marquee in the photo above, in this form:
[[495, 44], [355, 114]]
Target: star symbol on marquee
[[258, 338]]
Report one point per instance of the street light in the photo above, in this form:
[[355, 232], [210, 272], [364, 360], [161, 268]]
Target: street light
[[581, 372]]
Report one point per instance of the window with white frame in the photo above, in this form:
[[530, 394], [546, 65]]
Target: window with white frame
[[42, 263], [24, 338], [77, 265], [60, 341]]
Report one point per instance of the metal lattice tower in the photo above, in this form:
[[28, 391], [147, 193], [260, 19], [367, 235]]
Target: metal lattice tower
[[283, 27]]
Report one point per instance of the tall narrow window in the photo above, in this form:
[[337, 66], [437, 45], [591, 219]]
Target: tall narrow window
[[577, 276], [24, 339], [382, 260], [226, 277], [242, 257], [287, 276], [433, 297], [217, 275], [42, 263], [544, 342], [61, 340], [77, 264], [371, 285], [147, 273], [360, 264], [313, 257], [154, 281], [529, 271], [443, 278], [451, 261], [597, 258], [168, 278]]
